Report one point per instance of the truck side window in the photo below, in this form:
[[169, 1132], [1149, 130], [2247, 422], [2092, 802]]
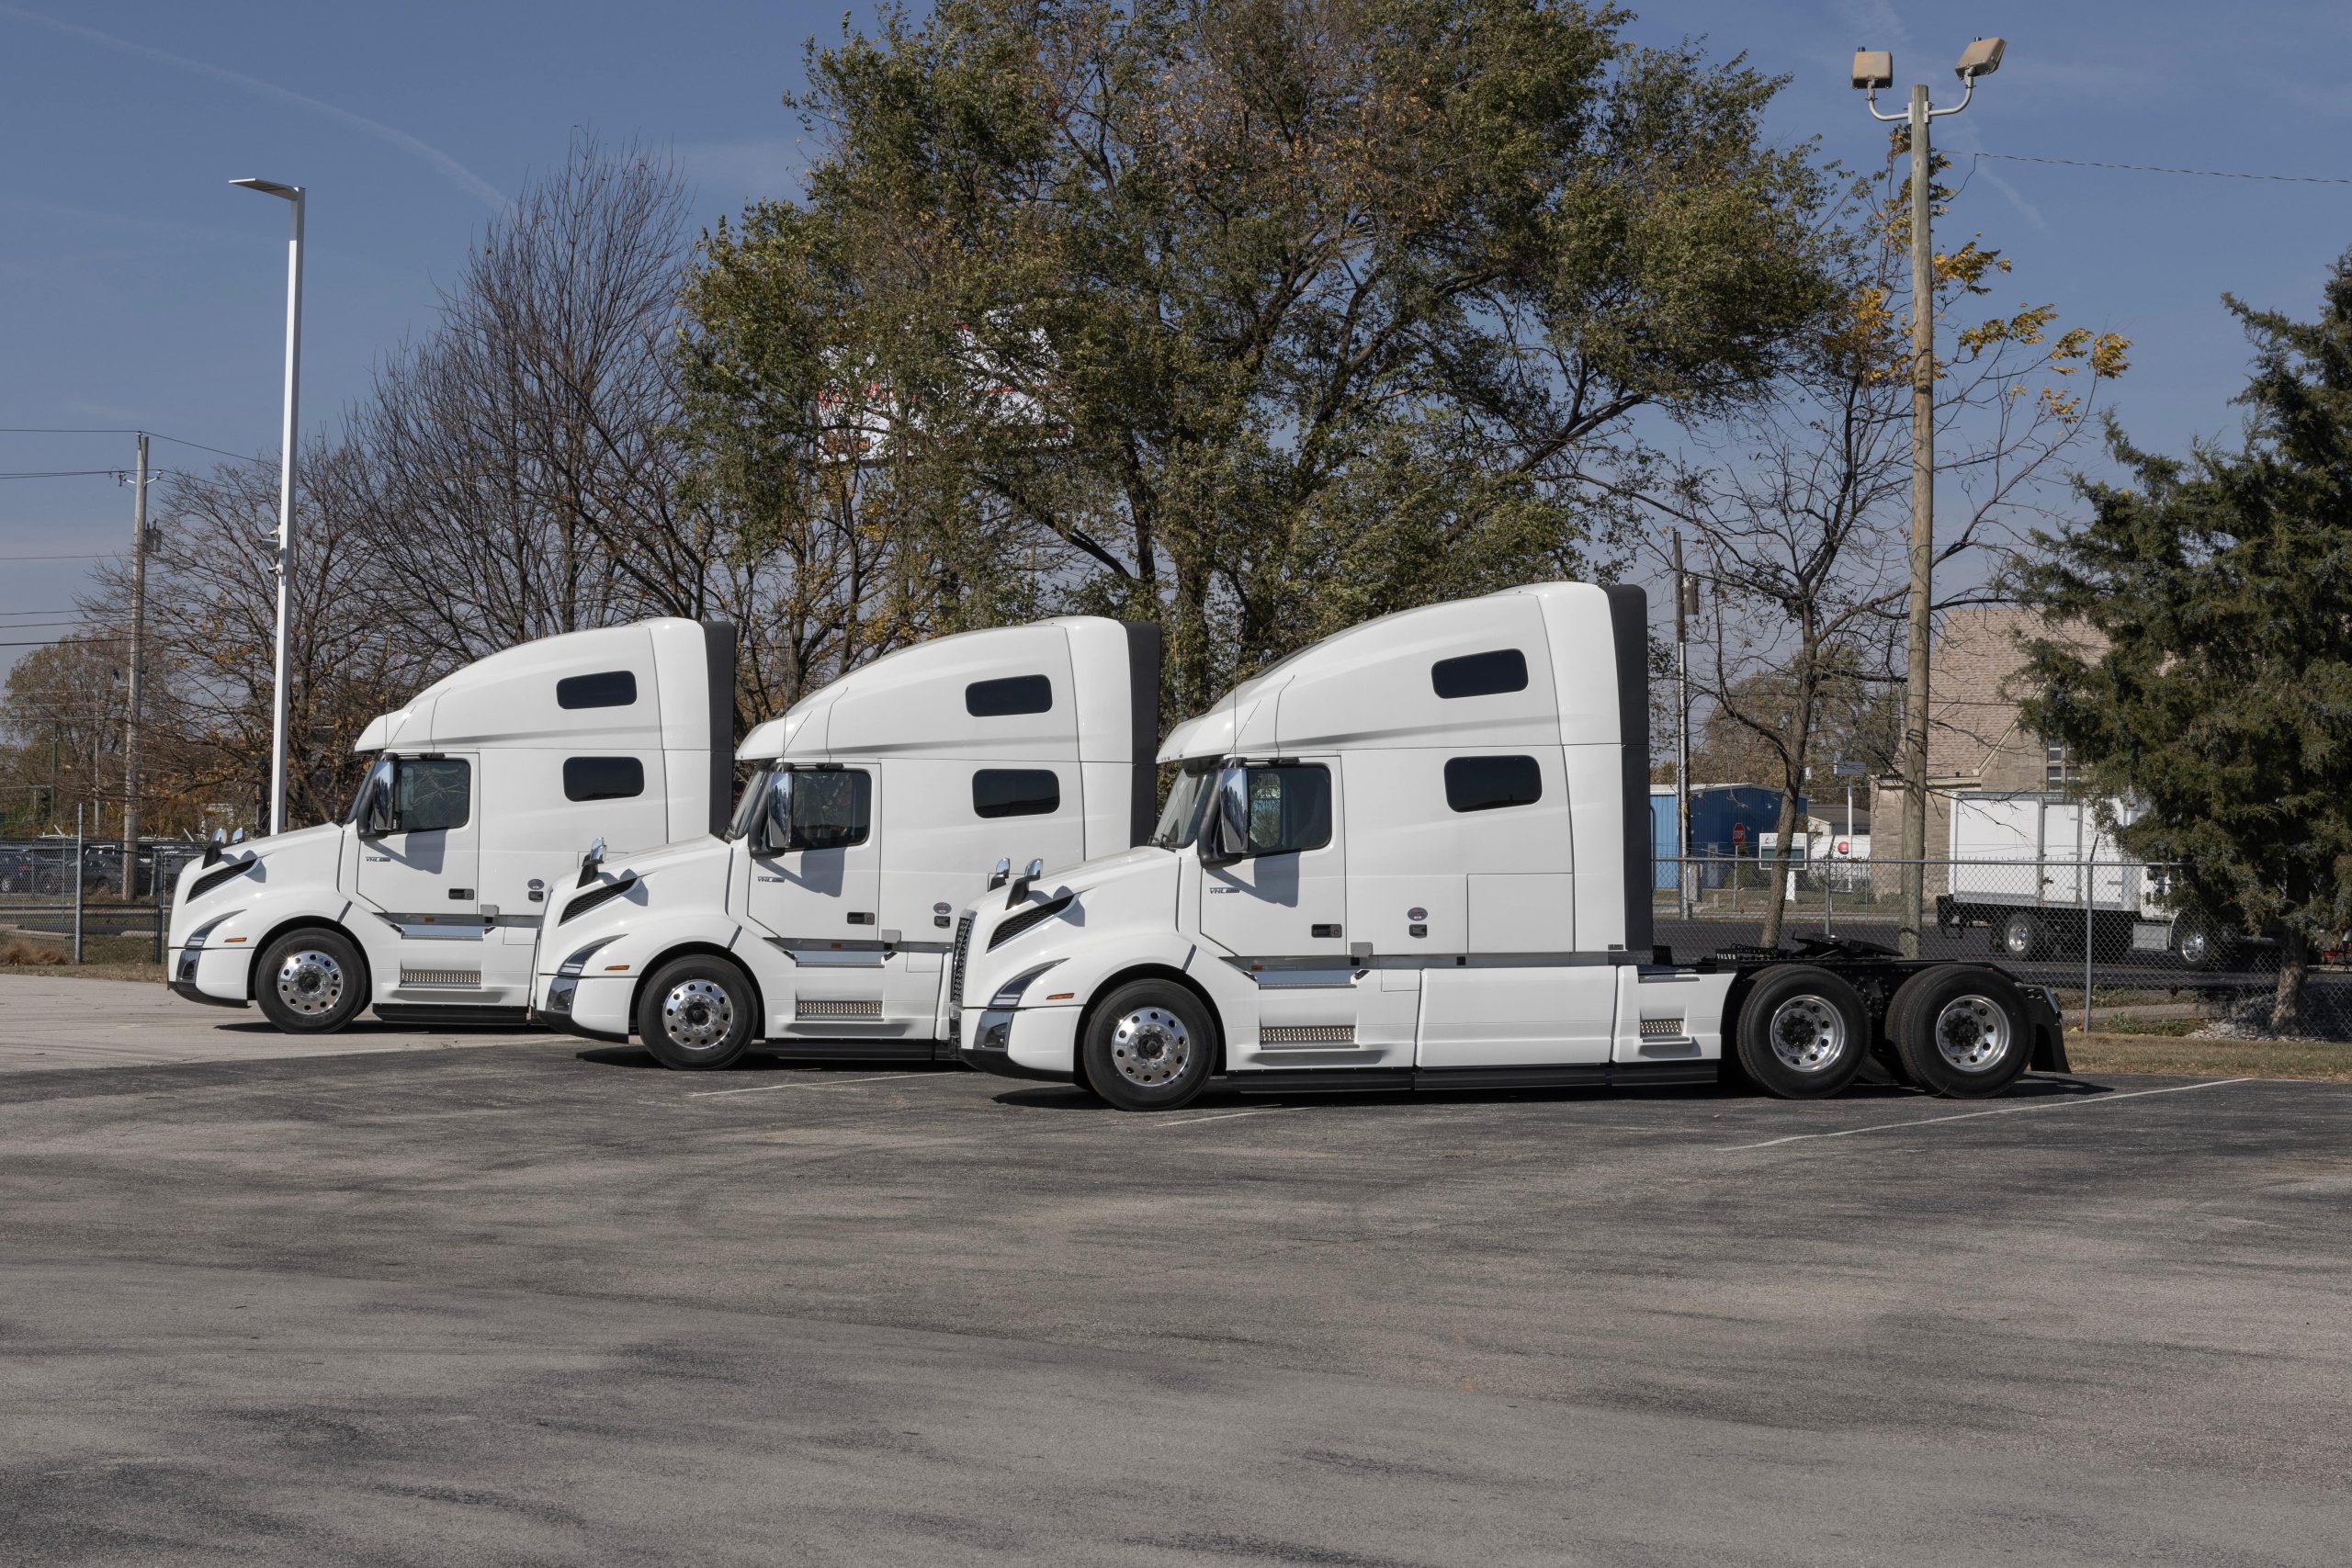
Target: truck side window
[[603, 778], [606, 689], [1014, 694], [1480, 674], [1484, 783], [831, 810], [1016, 792], [1290, 808], [431, 795]]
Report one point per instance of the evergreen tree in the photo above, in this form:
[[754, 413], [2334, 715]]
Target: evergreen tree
[[2222, 583]]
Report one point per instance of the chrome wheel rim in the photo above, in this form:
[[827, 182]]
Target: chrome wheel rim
[[1808, 1036], [2192, 947], [1150, 1047], [309, 982], [697, 1014], [1972, 1033]]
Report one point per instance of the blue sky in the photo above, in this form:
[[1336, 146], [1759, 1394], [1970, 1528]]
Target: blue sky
[[138, 289]]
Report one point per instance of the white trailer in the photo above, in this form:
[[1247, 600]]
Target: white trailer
[[1416, 855], [2022, 863], [820, 920], [425, 899]]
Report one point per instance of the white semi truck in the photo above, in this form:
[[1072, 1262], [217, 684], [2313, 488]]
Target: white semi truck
[[426, 898], [2038, 870], [820, 920], [1416, 855]]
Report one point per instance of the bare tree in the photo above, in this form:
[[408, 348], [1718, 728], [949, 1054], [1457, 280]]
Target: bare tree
[[1799, 507], [520, 472]]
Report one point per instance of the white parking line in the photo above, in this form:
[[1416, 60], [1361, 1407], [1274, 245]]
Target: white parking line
[[1972, 1115], [764, 1088], [1227, 1115]]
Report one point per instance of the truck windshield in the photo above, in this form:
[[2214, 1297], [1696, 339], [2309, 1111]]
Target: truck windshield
[[1188, 798], [749, 804]]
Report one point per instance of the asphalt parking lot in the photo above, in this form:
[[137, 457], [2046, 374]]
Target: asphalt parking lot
[[527, 1303]]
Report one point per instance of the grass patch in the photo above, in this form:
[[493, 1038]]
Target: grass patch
[[2188, 1055]]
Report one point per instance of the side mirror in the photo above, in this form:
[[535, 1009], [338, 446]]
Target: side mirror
[[375, 816], [771, 835], [1002, 874], [1226, 837], [212, 850], [237, 836], [1021, 887], [590, 861]]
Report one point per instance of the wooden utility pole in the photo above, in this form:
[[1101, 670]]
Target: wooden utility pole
[[1923, 533], [138, 654]]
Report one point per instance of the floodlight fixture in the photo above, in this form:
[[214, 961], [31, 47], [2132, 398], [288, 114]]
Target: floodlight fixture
[[1980, 59], [1874, 68]]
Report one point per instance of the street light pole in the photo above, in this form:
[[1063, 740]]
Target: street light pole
[[1873, 69], [292, 193], [1685, 600], [138, 659]]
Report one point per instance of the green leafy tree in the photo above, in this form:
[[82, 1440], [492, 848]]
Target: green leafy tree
[[2222, 586], [1255, 317]]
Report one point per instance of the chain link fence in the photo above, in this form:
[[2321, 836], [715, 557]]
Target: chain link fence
[[2101, 932], [62, 900]]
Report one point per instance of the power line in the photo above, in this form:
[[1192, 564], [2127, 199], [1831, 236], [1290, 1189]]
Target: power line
[[53, 641], [100, 555], [2161, 169], [94, 429]]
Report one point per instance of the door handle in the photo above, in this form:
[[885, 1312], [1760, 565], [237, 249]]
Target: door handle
[[1331, 930], [861, 917], [461, 893]]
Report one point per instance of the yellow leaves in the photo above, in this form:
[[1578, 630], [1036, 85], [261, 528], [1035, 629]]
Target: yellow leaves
[[2108, 357], [2103, 352], [2063, 406], [1969, 266]]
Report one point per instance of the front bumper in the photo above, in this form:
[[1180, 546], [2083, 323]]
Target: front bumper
[[1021, 1043], [219, 983], [593, 1006]]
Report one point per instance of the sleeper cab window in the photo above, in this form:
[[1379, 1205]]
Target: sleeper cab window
[[1488, 783], [606, 689], [603, 778], [432, 794], [1016, 792], [1480, 674], [1012, 695]]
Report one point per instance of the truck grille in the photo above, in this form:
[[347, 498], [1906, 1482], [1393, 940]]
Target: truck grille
[[955, 964]]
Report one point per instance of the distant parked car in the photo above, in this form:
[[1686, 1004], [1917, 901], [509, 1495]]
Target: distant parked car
[[34, 868]]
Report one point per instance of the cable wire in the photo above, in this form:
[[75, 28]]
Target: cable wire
[[2162, 169]]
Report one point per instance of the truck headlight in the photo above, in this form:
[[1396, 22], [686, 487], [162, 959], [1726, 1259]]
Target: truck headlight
[[572, 967], [196, 938], [1008, 994]]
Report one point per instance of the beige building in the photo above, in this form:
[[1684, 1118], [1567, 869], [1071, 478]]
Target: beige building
[[1975, 739]]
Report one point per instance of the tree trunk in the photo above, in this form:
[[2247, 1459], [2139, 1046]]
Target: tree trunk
[[1776, 900], [2294, 973]]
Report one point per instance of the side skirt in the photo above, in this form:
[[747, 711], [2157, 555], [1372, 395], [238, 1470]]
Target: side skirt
[[1373, 1080], [858, 1050], [455, 1013]]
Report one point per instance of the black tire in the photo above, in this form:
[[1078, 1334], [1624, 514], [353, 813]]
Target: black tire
[[2024, 935], [1149, 1045], [697, 1013], [1803, 1032], [2201, 946], [1965, 1031], [310, 981]]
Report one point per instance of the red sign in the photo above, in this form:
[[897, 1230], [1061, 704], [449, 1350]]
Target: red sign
[[1845, 846], [1738, 834]]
